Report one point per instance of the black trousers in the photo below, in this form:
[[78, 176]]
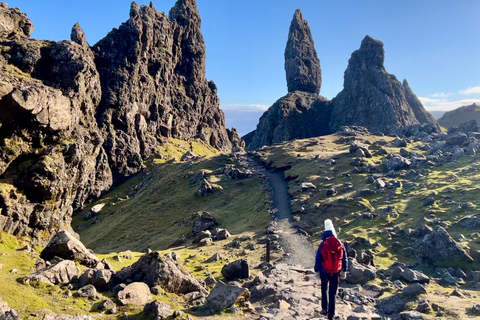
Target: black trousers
[[332, 283]]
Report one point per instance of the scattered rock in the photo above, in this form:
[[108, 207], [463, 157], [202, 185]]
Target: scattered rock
[[136, 293], [225, 295], [157, 269], [235, 270], [414, 290], [358, 273], [87, 291], [203, 221], [60, 273], [439, 247], [207, 187], [223, 234], [66, 246], [159, 309]]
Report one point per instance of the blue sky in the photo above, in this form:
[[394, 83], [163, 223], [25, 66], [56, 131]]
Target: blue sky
[[434, 44]]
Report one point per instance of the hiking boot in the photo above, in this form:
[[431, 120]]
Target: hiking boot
[[324, 312]]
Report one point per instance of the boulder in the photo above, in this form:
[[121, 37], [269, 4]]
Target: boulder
[[226, 295], [177, 242], [202, 235], [66, 246], [207, 187], [358, 273], [136, 293], [307, 186], [439, 248], [203, 221], [188, 156], [456, 139], [156, 269], [87, 291], [235, 270], [223, 234], [414, 276], [392, 305], [414, 290], [355, 146], [159, 309], [395, 162], [60, 273]]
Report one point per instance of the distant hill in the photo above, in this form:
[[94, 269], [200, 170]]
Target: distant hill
[[459, 115]]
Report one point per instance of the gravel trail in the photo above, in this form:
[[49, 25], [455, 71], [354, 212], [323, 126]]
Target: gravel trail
[[299, 251]]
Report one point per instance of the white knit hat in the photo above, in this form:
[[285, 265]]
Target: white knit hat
[[329, 226]]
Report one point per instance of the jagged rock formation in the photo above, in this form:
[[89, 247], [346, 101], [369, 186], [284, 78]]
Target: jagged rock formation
[[372, 97], [75, 119], [301, 61], [302, 113], [152, 71]]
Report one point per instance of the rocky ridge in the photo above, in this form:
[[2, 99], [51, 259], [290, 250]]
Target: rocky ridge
[[76, 119], [371, 98]]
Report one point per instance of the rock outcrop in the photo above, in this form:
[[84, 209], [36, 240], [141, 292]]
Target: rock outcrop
[[301, 61], [371, 98], [302, 113], [76, 119], [370, 90]]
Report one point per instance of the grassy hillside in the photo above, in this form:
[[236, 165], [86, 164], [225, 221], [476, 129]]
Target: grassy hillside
[[309, 160], [157, 205], [463, 114]]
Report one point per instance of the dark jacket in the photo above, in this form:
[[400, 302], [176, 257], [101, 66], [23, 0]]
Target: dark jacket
[[318, 260]]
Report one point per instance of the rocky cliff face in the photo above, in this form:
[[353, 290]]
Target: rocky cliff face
[[152, 72], [302, 113], [74, 119], [372, 97]]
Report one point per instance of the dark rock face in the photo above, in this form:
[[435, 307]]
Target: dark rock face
[[301, 61], [372, 97], [297, 115], [152, 71], [75, 120]]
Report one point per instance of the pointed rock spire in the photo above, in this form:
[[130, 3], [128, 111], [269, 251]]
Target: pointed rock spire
[[77, 35], [302, 65]]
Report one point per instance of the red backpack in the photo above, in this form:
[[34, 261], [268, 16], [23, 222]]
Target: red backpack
[[332, 254]]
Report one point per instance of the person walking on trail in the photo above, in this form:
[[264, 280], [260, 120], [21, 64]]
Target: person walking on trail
[[331, 259]]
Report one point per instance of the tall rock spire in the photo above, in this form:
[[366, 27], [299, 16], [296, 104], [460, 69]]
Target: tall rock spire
[[301, 62]]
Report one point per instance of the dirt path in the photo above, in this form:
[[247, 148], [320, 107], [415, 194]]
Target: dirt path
[[298, 250]]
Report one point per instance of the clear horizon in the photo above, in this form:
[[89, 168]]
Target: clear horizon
[[433, 44]]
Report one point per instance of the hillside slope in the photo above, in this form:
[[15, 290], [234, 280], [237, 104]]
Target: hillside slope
[[463, 114]]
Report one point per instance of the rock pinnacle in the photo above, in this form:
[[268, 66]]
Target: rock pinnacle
[[302, 65]]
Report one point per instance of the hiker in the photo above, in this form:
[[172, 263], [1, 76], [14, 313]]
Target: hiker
[[330, 261]]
